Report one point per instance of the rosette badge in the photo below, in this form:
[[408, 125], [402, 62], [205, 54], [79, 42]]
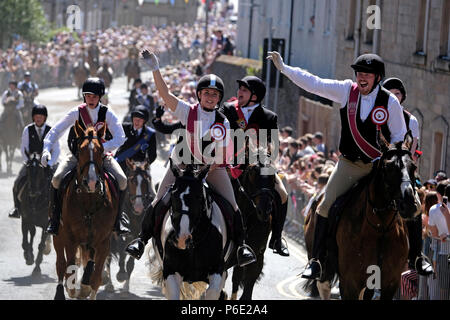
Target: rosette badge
[[218, 131], [380, 116]]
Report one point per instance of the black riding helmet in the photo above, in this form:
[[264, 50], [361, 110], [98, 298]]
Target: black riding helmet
[[140, 112], [211, 81], [39, 109], [370, 63], [256, 87], [94, 85], [395, 83]]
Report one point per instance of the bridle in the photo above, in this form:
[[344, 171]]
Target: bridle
[[81, 169], [144, 197]]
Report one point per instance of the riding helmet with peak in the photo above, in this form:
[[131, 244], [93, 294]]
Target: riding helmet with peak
[[140, 111], [255, 85], [39, 109], [94, 85], [395, 83], [369, 63], [211, 81]]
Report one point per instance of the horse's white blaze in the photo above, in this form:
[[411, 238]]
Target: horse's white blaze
[[138, 204], [406, 183], [92, 174], [184, 232], [183, 204]]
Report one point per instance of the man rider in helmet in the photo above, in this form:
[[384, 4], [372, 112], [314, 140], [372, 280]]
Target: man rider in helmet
[[355, 163], [32, 142], [91, 112]]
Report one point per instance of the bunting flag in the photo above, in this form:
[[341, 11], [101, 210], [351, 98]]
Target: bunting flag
[[172, 2]]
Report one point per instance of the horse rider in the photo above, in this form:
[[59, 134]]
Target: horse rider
[[417, 260], [248, 112], [210, 91], [140, 143], [29, 89], [12, 99], [145, 99], [33, 142], [134, 93], [90, 113], [133, 52], [358, 142]]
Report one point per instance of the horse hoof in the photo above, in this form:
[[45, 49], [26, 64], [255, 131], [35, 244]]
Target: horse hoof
[[36, 272], [60, 293], [29, 258], [233, 296], [122, 276], [85, 291], [109, 288], [72, 293], [48, 246]]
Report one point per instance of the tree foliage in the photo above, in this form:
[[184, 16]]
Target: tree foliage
[[24, 18]]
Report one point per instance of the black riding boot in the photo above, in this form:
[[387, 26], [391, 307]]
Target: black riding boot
[[245, 254], [55, 212], [416, 258], [275, 242], [120, 225], [136, 247], [314, 270]]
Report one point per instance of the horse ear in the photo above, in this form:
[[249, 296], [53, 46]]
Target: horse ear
[[383, 143], [408, 140], [130, 163], [101, 132], [78, 129]]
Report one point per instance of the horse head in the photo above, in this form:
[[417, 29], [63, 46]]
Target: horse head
[[90, 158], [396, 175], [35, 174], [139, 185], [259, 183], [189, 204]]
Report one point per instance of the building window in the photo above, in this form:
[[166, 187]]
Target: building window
[[437, 154], [368, 34], [327, 27], [350, 28], [422, 27], [312, 16], [444, 48], [439, 144]]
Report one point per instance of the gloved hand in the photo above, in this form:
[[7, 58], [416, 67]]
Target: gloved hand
[[45, 158], [151, 60], [159, 112], [277, 59]]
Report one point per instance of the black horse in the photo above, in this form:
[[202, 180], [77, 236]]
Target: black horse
[[33, 207], [194, 245], [140, 196], [258, 201]]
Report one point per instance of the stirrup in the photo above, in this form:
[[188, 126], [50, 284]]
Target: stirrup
[[246, 246], [309, 264], [426, 259]]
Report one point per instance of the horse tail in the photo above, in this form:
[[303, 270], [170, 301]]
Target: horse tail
[[192, 291], [155, 268]]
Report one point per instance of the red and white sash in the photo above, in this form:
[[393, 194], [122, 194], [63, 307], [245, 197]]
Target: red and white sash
[[84, 113], [352, 111]]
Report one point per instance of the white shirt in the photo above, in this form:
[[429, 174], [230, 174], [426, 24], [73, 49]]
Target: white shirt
[[339, 91], [436, 218], [113, 123], [206, 119], [55, 151], [247, 111], [414, 127], [19, 94]]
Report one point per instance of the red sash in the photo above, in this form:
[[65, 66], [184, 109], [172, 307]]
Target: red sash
[[352, 111], [87, 119], [242, 123]]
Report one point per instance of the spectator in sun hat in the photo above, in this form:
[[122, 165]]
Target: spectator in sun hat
[[440, 175]]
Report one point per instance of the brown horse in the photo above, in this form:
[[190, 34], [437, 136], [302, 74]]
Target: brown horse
[[106, 73], [80, 74], [132, 71], [88, 213], [11, 122], [371, 236]]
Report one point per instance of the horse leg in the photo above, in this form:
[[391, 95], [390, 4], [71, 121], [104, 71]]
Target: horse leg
[[106, 276], [172, 286], [130, 268], [48, 244], [101, 252], [236, 280], [25, 244], [121, 275], [60, 266], [72, 267], [41, 247]]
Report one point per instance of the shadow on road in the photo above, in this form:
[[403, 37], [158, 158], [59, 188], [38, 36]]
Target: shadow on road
[[120, 295], [30, 280]]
